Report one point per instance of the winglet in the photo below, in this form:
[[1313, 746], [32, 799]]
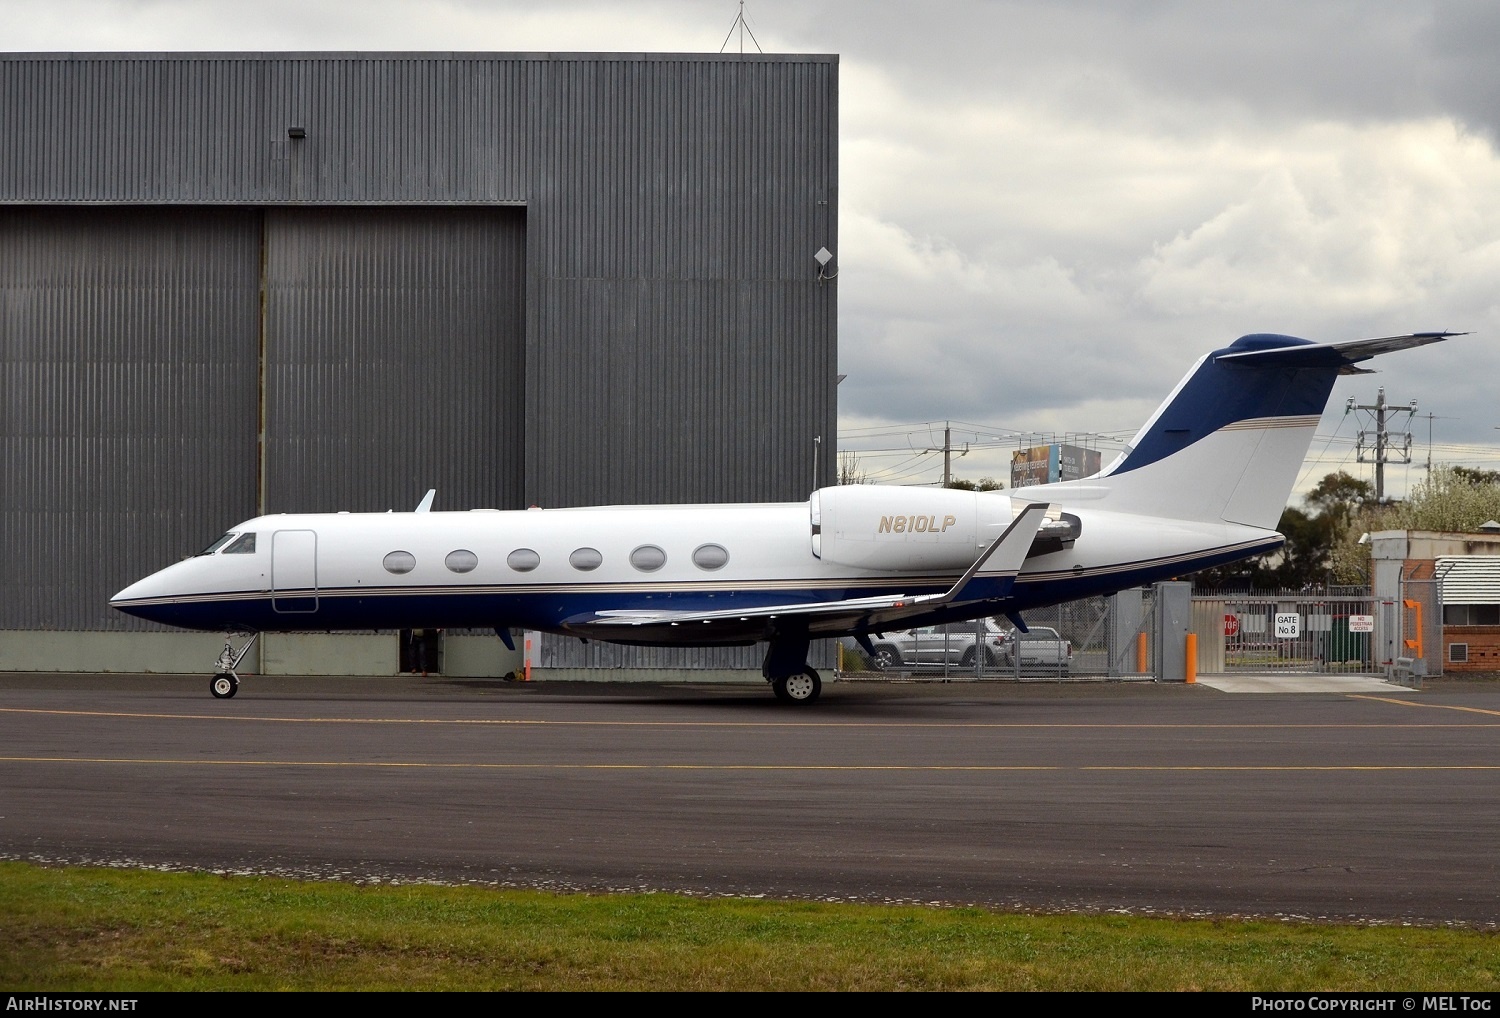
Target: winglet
[[425, 506]]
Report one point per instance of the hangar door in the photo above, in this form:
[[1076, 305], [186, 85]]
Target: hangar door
[[128, 344], [394, 345], [143, 349]]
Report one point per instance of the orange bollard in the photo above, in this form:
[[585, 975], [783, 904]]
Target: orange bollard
[[527, 675], [1191, 665], [1140, 653]]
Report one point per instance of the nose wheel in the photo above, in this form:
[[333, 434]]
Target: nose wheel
[[225, 682]]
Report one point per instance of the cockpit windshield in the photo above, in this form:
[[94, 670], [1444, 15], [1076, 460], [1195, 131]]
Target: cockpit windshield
[[244, 546], [221, 542]]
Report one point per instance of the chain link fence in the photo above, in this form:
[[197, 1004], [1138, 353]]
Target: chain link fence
[[1115, 637], [1091, 639]]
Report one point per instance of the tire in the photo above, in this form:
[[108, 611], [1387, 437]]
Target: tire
[[886, 657], [223, 686], [801, 688]]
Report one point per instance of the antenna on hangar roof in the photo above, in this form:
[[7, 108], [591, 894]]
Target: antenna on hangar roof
[[739, 22]]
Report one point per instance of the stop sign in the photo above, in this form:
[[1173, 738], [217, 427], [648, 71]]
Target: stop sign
[[1231, 624]]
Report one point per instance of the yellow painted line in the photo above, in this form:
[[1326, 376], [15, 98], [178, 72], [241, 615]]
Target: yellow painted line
[[1434, 706], [1009, 725], [781, 767]]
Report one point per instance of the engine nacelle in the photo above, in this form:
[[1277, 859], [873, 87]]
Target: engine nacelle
[[907, 529]]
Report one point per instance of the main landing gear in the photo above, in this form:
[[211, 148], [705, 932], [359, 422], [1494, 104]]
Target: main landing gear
[[792, 679], [225, 682], [803, 687]]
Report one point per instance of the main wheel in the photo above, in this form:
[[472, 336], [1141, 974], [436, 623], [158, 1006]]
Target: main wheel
[[803, 687], [223, 686]]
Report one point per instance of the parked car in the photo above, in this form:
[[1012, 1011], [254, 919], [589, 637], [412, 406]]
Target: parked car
[[934, 646], [1041, 649]]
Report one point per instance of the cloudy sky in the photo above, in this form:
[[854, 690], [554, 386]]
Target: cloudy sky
[[1050, 209]]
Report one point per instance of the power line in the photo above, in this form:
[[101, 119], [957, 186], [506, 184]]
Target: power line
[[1382, 451]]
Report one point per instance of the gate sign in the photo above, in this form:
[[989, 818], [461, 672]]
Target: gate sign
[[1288, 625], [1361, 623], [1231, 624]]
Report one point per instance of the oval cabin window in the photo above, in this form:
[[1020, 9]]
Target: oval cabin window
[[710, 556], [461, 561], [648, 558], [523, 560], [399, 562], [586, 559]]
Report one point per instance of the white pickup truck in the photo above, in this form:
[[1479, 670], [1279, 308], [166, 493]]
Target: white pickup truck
[[1041, 650]]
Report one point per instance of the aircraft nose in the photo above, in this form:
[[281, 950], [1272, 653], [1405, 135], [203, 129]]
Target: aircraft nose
[[143, 598]]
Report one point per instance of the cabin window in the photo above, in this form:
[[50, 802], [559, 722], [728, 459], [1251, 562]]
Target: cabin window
[[244, 546], [461, 561], [221, 542], [523, 560], [586, 559], [400, 562], [648, 558], [710, 556]]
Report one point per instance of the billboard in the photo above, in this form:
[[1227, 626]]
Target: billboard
[[1043, 464]]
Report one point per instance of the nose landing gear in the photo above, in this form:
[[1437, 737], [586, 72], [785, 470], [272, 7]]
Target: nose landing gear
[[225, 682]]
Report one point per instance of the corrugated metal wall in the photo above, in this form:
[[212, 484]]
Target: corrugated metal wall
[[675, 300], [213, 128], [649, 329], [127, 428], [394, 358]]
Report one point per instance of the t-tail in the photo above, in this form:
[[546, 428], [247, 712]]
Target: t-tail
[[1229, 441]]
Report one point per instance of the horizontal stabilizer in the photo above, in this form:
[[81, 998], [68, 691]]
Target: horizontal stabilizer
[[1342, 356]]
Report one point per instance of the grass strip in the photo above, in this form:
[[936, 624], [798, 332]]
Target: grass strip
[[80, 929]]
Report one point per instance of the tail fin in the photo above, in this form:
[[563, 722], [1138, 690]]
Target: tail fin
[[1228, 442]]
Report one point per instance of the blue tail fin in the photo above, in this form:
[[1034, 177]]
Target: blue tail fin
[[1229, 441]]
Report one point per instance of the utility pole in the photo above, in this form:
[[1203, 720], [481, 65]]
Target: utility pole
[[947, 451], [1380, 438]]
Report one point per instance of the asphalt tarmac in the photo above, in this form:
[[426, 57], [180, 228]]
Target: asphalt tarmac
[[1364, 802]]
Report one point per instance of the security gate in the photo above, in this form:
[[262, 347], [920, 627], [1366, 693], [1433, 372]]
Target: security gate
[[1286, 634]]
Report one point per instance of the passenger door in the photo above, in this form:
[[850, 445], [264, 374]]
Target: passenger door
[[294, 571]]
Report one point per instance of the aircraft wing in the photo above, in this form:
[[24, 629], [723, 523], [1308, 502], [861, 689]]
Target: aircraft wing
[[992, 575]]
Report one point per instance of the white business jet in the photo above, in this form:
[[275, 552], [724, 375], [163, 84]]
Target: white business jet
[[1204, 482]]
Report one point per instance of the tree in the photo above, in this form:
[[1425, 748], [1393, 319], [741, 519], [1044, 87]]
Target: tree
[[1313, 554], [1475, 476], [983, 484], [850, 472], [1449, 498], [1340, 495]]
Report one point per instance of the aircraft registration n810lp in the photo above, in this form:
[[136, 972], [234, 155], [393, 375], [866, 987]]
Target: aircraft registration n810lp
[[1202, 483]]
